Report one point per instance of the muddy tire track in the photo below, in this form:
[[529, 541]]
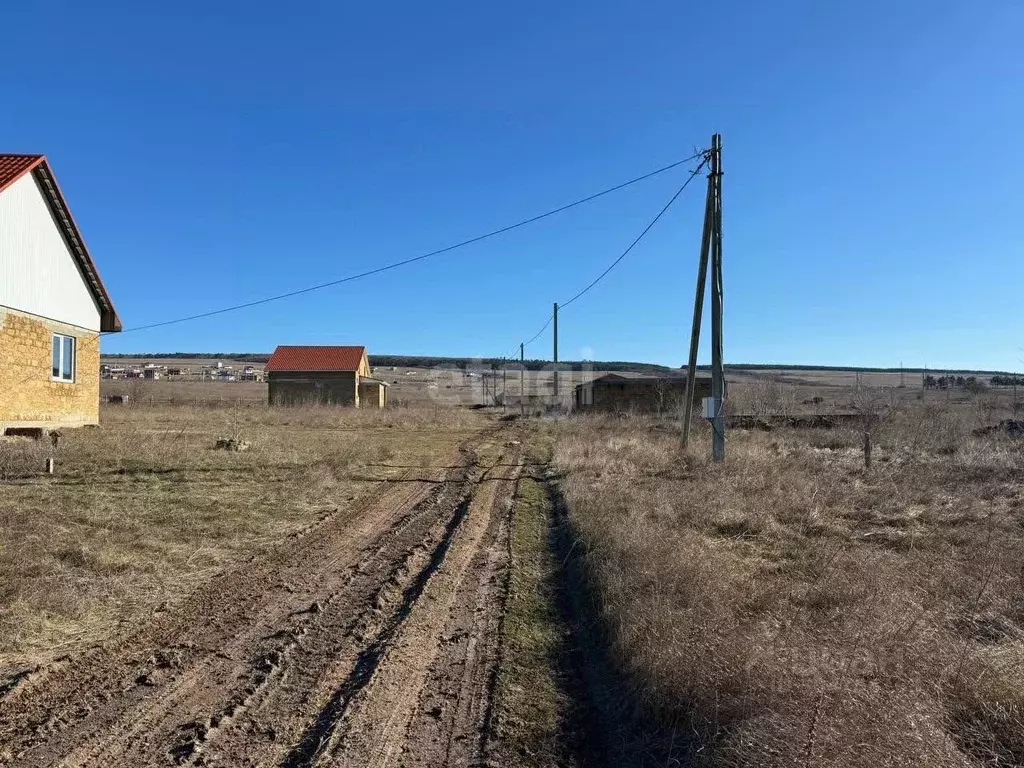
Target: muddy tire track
[[410, 664], [371, 638], [155, 695]]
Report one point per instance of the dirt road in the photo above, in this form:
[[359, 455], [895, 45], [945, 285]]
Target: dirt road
[[370, 639]]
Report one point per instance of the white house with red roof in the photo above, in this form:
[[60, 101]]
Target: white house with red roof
[[53, 304]]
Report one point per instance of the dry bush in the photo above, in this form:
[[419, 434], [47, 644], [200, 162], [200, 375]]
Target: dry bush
[[762, 397], [792, 609]]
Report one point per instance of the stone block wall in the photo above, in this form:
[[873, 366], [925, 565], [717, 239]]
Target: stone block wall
[[28, 394]]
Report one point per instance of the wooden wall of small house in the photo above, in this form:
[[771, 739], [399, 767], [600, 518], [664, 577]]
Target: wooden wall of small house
[[298, 389], [644, 397], [372, 395]]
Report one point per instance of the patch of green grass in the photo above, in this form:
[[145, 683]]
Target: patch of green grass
[[528, 708]]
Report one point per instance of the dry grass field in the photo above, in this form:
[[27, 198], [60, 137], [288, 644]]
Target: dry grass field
[[792, 608], [459, 586], [143, 509]]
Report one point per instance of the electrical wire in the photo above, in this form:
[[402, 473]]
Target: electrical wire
[[538, 333], [421, 257], [632, 245], [639, 237]]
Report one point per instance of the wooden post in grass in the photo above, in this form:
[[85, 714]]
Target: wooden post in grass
[[522, 381], [867, 449], [50, 465], [556, 352]]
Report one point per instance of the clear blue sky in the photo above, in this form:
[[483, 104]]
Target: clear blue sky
[[215, 153]]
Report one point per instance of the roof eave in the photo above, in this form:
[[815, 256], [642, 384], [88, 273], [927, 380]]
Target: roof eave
[[110, 322]]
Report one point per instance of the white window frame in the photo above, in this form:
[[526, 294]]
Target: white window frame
[[59, 339]]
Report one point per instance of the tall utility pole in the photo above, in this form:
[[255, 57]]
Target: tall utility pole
[[556, 352], [710, 251], [698, 313], [522, 381], [717, 367], [504, 387]]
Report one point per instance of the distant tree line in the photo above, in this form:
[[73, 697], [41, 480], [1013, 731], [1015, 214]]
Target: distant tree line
[[854, 368], [1007, 381], [970, 383], [413, 361], [408, 361]]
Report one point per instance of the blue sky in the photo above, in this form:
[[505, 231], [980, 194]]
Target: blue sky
[[215, 153]]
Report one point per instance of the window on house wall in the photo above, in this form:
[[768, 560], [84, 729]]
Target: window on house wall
[[63, 357]]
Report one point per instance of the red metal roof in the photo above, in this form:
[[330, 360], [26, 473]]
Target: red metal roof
[[13, 167], [316, 359]]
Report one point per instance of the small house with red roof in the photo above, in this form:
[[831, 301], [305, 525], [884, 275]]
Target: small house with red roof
[[323, 375], [53, 304]]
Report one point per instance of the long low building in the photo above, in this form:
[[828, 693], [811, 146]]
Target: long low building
[[638, 393]]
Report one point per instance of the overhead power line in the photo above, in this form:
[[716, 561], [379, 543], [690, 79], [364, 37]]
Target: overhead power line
[[630, 247], [639, 237], [421, 257], [542, 329]]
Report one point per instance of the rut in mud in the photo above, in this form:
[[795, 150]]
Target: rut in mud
[[370, 639]]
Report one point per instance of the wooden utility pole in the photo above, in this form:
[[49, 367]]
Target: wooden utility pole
[[710, 251], [698, 312], [556, 352], [522, 381], [504, 387], [717, 366]]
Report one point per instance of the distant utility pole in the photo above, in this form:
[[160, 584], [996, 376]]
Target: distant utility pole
[[522, 381], [556, 352], [711, 250], [504, 387], [902, 384]]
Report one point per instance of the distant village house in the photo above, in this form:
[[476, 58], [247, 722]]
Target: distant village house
[[324, 375], [53, 304]]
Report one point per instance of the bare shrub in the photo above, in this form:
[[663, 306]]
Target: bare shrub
[[762, 397]]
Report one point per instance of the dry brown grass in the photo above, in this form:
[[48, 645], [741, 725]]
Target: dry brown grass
[[791, 609], [143, 509]]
